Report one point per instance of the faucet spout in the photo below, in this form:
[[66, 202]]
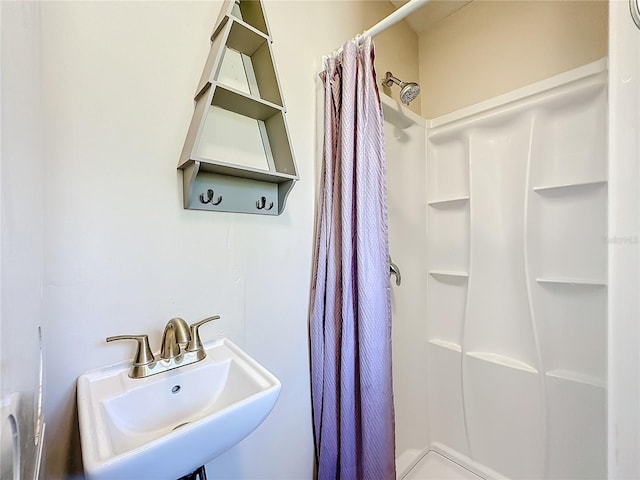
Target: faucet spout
[[176, 335]]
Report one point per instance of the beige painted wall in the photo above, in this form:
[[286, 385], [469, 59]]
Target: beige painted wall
[[396, 49], [491, 47]]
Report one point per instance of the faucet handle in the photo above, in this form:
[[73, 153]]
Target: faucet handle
[[195, 344], [144, 355]]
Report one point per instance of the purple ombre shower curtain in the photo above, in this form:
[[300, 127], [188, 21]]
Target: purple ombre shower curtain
[[350, 323]]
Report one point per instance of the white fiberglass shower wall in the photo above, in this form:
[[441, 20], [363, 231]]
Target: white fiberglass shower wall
[[405, 151], [507, 354]]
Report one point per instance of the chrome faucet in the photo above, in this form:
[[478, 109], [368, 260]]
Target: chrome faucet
[[181, 345]]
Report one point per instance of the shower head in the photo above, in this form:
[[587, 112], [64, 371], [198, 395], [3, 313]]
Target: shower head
[[408, 90]]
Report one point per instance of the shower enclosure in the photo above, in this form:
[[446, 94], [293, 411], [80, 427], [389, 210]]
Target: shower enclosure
[[509, 242], [515, 225], [515, 228]]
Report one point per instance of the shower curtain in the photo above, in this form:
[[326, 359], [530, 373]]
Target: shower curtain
[[350, 323]]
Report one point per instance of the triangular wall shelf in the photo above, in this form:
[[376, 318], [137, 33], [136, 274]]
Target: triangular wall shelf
[[237, 156]]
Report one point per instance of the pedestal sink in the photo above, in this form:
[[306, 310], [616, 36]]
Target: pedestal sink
[[167, 425]]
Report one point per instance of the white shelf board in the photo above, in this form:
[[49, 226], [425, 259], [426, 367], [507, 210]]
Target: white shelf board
[[503, 361], [551, 188], [224, 168], [448, 273], [234, 100], [446, 344], [576, 377], [244, 38], [255, 35], [570, 281], [448, 202]]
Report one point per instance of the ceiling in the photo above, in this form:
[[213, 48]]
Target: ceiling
[[430, 13]]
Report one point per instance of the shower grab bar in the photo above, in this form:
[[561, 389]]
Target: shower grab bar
[[394, 270]]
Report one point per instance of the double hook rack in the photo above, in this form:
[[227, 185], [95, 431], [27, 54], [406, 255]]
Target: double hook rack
[[261, 204], [209, 198]]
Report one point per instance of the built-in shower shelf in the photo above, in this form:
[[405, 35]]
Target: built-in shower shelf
[[449, 202], [502, 360], [577, 377], [445, 344], [570, 281], [448, 274], [568, 186]]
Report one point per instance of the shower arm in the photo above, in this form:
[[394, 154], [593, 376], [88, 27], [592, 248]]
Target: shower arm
[[390, 80]]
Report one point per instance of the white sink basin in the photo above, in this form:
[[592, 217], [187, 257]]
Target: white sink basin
[[167, 425]]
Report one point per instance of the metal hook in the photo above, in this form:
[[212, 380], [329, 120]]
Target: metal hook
[[209, 198], [261, 204]]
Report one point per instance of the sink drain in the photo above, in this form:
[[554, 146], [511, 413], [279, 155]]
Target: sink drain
[[181, 425]]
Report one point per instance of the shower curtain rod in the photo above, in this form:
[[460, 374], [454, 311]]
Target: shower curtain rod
[[395, 17], [390, 20]]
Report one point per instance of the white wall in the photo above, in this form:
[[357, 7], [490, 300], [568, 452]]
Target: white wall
[[405, 152], [21, 226], [123, 256], [624, 254]]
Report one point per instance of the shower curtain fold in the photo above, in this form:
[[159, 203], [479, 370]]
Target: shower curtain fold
[[350, 324]]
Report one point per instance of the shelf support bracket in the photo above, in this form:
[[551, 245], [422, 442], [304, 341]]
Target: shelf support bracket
[[188, 179]]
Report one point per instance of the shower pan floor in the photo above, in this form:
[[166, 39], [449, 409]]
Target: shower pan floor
[[434, 466]]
